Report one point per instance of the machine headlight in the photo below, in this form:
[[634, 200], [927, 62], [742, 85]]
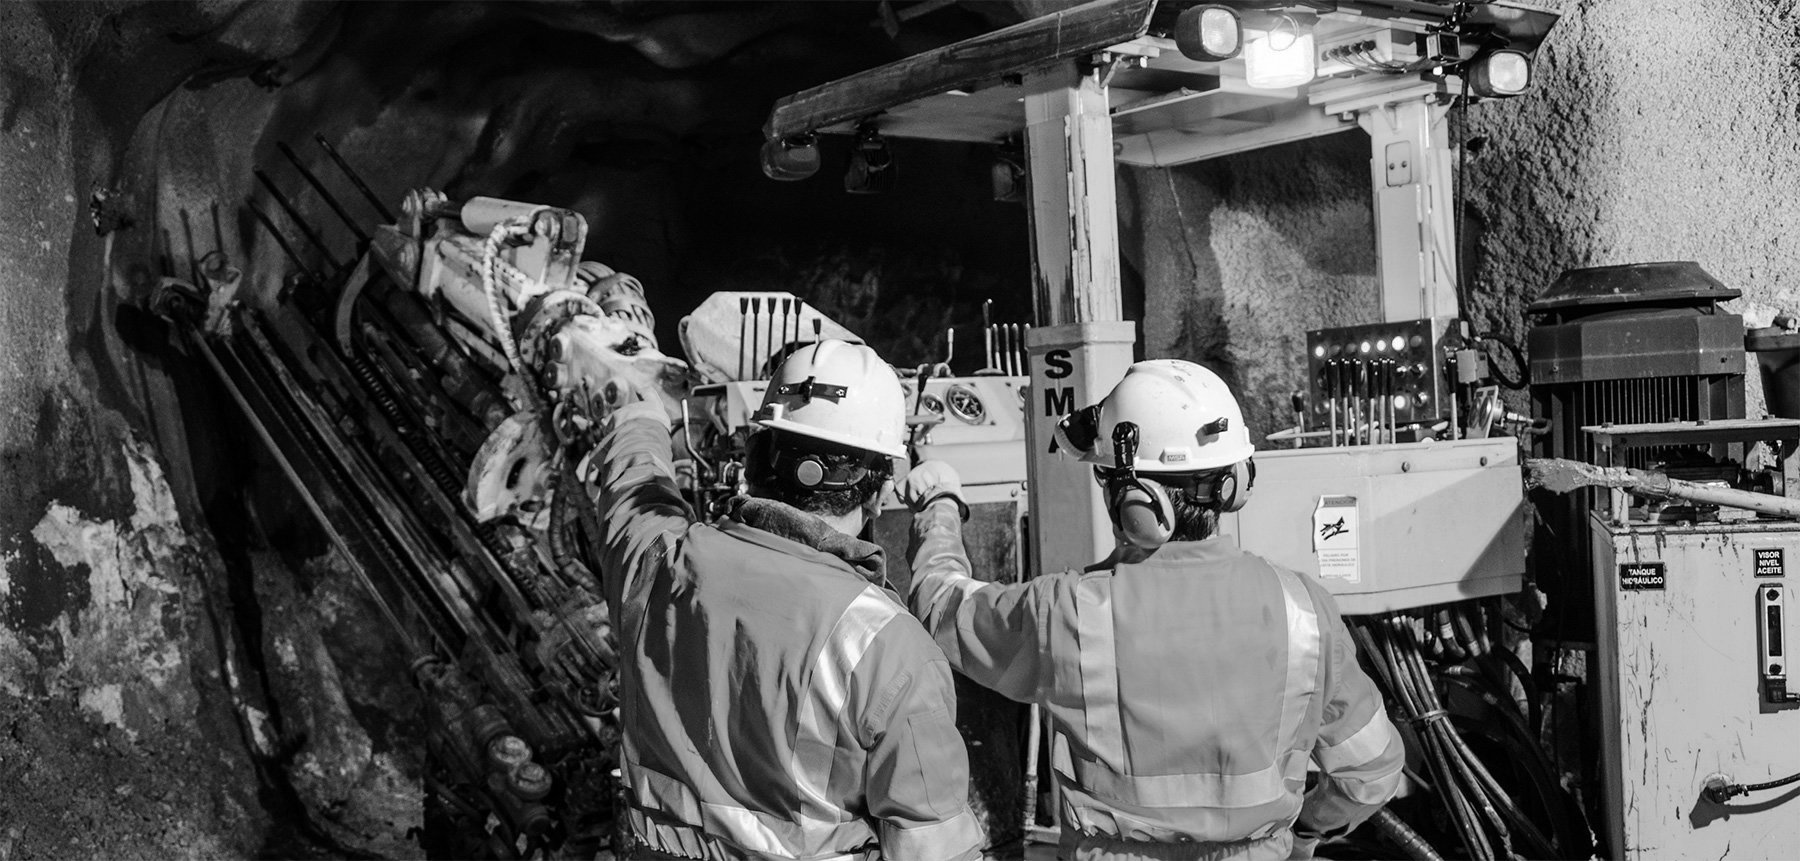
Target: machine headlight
[[1281, 56], [1209, 34], [1501, 73]]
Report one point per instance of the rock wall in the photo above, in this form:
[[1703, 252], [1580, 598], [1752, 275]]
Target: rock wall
[[122, 732], [1656, 130]]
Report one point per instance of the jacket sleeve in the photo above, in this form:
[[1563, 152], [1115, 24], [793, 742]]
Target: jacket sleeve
[[638, 500], [916, 779], [1358, 752], [996, 634]]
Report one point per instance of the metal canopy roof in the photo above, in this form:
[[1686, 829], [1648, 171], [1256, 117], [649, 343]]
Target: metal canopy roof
[[1166, 108]]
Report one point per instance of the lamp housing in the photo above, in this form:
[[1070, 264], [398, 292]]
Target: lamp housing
[[871, 169], [1500, 74], [790, 159], [1211, 33], [1279, 49]]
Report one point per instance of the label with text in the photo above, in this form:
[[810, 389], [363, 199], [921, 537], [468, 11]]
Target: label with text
[[1335, 539], [1769, 562], [1641, 576]]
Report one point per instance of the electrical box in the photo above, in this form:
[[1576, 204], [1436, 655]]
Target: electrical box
[[1391, 527], [1401, 365], [1690, 654]]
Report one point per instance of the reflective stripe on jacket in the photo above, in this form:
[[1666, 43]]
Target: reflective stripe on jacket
[[1186, 692], [774, 702]]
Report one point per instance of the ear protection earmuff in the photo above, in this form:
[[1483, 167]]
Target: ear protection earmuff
[[1140, 509], [766, 459], [1234, 486], [1144, 515]]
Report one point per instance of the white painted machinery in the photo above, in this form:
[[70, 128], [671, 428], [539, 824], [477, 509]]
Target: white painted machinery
[[1698, 723], [1399, 487]]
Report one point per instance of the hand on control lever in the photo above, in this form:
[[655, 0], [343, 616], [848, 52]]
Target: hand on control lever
[[930, 481]]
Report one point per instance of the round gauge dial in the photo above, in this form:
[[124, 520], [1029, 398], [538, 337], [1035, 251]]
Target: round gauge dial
[[965, 404], [932, 404]]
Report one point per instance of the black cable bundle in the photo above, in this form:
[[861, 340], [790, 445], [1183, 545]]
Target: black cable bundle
[[1480, 810]]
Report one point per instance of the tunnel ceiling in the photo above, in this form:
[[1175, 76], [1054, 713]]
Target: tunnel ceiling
[[644, 116]]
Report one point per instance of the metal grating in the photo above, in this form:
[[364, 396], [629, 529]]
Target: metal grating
[[1656, 399]]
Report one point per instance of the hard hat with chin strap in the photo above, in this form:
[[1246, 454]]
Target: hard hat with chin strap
[[1166, 419], [839, 393]]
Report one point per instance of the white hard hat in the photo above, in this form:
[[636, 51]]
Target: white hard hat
[[1187, 420], [841, 393]]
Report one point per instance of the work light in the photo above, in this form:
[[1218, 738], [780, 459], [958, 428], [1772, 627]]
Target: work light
[[1280, 56], [1501, 73], [1209, 34]]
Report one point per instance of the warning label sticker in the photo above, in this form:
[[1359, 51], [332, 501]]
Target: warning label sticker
[[1638, 576], [1769, 562], [1335, 538]]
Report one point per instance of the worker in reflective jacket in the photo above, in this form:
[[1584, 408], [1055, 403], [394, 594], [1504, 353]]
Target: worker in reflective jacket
[[1188, 683], [776, 700]]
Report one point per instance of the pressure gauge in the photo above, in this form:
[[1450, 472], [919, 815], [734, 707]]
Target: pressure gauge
[[965, 404], [932, 404]]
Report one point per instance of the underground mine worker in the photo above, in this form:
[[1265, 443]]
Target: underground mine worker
[[1188, 683], [777, 700]]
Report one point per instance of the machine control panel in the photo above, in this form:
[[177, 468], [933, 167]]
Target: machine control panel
[[1379, 375]]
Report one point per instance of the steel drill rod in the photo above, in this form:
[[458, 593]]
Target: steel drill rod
[[294, 216], [356, 180], [281, 241], [377, 488], [305, 494], [288, 152]]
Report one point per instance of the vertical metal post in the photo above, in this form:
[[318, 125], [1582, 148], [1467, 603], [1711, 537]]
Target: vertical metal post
[[1074, 206], [1080, 346], [1415, 218]]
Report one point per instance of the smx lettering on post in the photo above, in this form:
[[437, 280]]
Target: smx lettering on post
[[1058, 400]]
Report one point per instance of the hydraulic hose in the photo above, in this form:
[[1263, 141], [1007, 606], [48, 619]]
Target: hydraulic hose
[[1725, 793], [1400, 834]]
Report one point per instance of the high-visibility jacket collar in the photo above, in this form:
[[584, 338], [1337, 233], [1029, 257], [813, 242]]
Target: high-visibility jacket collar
[[1213, 549], [779, 526]]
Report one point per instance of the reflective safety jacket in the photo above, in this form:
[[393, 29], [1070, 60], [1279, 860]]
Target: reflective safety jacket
[[1186, 692], [774, 702]]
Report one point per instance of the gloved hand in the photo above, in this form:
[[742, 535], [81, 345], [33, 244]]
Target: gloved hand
[[601, 359], [930, 481]]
